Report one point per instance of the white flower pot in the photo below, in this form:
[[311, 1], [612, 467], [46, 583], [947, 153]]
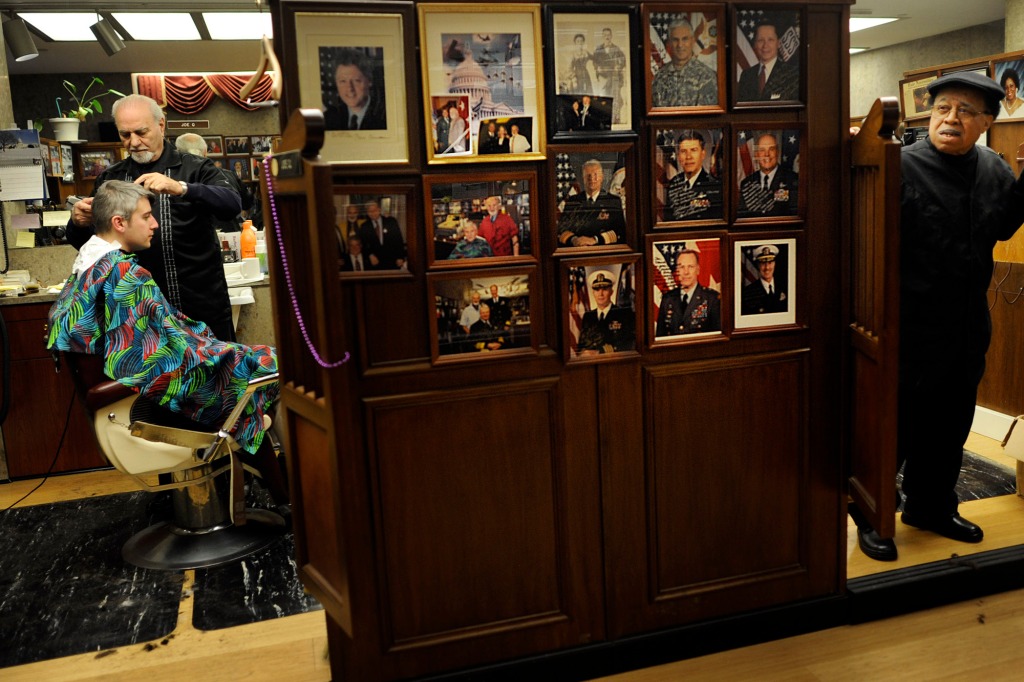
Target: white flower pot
[[65, 129]]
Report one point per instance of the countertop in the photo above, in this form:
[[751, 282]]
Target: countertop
[[42, 297]]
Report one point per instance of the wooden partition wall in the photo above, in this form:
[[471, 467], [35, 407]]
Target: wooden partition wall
[[457, 510]]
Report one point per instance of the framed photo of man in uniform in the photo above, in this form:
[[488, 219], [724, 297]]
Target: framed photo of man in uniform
[[483, 314], [479, 219], [686, 281], [689, 172], [768, 55], [601, 317], [589, 71], [684, 58], [373, 227], [766, 180], [591, 186], [765, 281]]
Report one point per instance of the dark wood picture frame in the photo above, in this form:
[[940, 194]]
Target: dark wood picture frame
[[572, 217], [516, 333], [707, 46], [705, 317], [214, 145], [674, 202], [237, 144], [915, 100], [242, 170], [92, 162], [785, 85], [752, 203], [587, 338], [754, 308], [399, 208], [454, 200], [609, 68]]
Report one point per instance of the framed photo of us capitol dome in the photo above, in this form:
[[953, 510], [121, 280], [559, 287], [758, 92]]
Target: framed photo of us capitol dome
[[484, 64]]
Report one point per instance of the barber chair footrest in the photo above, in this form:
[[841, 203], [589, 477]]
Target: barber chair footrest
[[165, 546]]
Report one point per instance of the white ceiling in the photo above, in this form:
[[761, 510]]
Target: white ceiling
[[919, 19]]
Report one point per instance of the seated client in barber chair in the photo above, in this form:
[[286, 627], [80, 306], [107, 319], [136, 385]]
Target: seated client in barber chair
[[111, 306]]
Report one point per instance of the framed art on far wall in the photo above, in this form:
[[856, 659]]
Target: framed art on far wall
[[768, 57], [591, 186], [915, 100], [767, 177], [684, 58], [765, 281], [1008, 74], [373, 225], [686, 278], [600, 303], [688, 169]]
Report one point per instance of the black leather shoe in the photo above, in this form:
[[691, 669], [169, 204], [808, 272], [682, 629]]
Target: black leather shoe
[[878, 548], [953, 526]]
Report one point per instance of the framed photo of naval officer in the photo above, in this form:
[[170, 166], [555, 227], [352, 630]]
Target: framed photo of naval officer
[[684, 58], [589, 71], [688, 289], [765, 281], [479, 219], [373, 225], [766, 179], [689, 173], [601, 315], [769, 50], [352, 61], [492, 53], [483, 315], [591, 185]]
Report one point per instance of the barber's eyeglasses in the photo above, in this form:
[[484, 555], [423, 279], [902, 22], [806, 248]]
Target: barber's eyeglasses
[[962, 113]]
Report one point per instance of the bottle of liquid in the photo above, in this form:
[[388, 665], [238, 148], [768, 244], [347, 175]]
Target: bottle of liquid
[[248, 240], [261, 254]]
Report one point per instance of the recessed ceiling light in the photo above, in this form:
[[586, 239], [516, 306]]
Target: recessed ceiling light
[[855, 50], [62, 26], [238, 25], [158, 25], [861, 23]]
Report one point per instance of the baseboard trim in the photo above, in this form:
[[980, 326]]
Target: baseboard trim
[[990, 423]]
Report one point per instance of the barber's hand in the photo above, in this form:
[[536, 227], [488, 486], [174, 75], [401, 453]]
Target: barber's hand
[[81, 212], [158, 183]]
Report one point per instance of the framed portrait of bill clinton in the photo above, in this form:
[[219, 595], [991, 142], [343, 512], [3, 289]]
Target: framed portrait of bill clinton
[[492, 55], [589, 71], [602, 315], [689, 297], [768, 51], [765, 282], [591, 186], [690, 175], [766, 180], [684, 58]]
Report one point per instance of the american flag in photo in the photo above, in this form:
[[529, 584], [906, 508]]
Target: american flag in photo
[[664, 258], [566, 183], [625, 292], [579, 303], [788, 27], [705, 33], [789, 151], [665, 167]]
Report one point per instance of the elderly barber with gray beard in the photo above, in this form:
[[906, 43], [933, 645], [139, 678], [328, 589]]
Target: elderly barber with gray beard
[[184, 258]]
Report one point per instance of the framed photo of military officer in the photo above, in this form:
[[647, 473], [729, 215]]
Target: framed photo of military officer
[[373, 225], [764, 281], [684, 58], [590, 185], [493, 54], [686, 281], [479, 219], [483, 314], [767, 174], [689, 166], [589, 71], [601, 318], [769, 50]]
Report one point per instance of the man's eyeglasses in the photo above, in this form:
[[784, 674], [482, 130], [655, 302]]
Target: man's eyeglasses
[[962, 113]]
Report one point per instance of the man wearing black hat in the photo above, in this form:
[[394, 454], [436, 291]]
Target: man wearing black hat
[[607, 328], [958, 200], [764, 295]]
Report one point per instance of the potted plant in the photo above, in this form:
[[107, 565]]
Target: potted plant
[[65, 128]]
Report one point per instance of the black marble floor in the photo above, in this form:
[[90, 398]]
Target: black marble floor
[[980, 478]]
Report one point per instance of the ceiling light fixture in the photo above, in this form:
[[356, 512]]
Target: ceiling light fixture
[[19, 40], [861, 23], [107, 36]]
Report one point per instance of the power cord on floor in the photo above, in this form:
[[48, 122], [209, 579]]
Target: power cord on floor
[[60, 444]]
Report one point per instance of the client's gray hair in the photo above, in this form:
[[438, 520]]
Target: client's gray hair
[[191, 143], [116, 198]]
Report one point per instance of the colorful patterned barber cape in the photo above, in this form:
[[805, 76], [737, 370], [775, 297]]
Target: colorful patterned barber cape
[[114, 307]]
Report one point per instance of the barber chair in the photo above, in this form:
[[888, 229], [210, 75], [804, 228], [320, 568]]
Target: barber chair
[[202, 468]]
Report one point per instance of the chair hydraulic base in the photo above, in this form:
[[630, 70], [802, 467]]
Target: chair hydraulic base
[[166, 546]]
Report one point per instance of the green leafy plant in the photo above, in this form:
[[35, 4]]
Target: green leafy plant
[[85, 104]]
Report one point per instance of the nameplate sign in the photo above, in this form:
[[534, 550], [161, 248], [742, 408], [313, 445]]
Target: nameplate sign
[[188, 125]]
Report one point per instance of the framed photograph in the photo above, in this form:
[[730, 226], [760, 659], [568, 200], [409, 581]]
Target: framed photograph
[[686, 274], [373, 224], [260, 144], [66, 165], [767, 177], [214, 145], [479, 219], [590, 186], [255, 168], [483, 314], [764, 281], [239, 165], [492, 53], [452, 118], [237, 145], [915, 100], [601, 316], [353, 62], [590, 70], [1008, 74], [688, 168], [684, 58], [95, 162], [768, 57]]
